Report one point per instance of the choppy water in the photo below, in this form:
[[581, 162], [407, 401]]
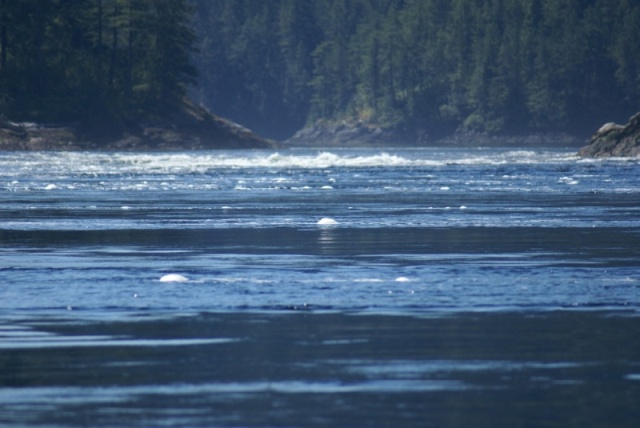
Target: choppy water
[[483, 287]]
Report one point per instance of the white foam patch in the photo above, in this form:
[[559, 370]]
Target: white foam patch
[[568, 180], [174, 277], [17, 165], [326, 221]]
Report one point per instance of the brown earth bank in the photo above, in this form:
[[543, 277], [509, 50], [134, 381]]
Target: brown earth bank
[[360, 134], [191, 127], [614, 140]]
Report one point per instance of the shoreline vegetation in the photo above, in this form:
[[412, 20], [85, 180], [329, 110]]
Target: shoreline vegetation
[[427, 71], [120, 74]]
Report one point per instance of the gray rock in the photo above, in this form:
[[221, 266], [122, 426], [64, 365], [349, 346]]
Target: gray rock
[[341, 134], [613, 140]]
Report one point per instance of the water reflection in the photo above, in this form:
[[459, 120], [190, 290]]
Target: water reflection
[[327, 241]]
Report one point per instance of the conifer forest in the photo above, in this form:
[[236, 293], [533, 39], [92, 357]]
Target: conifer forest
[[436, 66]]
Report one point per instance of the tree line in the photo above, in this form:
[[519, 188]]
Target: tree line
[[428, 66], [438, 66], [93, 60]]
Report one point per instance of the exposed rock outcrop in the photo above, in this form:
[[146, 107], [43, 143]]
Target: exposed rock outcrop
[[361, 134], [613, 140], [191, 127], [341, 134]]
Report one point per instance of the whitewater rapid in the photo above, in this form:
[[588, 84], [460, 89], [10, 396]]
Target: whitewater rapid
[[14, 165]]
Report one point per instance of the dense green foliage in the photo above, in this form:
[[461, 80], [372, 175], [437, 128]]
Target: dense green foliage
[[494, 66], [93, 60], [426, 66]]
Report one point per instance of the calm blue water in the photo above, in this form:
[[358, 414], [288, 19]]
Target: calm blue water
[[457, 287]]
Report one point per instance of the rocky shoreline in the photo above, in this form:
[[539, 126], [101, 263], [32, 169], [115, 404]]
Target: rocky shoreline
[[191, 127], [614, 140], [349, 135], [341, 134]]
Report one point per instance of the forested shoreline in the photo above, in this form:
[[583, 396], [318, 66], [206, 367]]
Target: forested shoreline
[[420, 67], [104, 74]]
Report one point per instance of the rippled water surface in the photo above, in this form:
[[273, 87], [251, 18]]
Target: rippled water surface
[[455, 287]]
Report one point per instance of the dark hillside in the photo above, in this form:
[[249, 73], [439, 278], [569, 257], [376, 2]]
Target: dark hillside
[[422, 69]]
